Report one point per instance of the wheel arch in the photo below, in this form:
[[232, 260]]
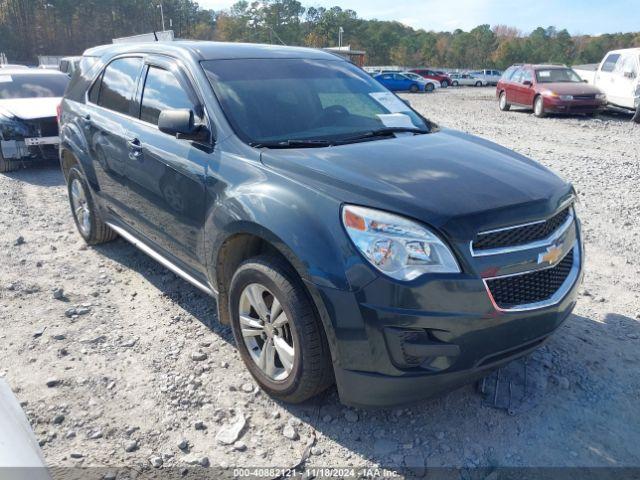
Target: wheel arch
[[247, 240]]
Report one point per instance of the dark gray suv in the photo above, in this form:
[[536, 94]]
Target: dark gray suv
[[346, 238]]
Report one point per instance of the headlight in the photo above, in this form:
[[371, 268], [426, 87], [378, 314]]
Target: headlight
[[397, 246], [566, 97]]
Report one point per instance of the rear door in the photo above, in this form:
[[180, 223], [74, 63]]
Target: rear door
[[511, 85], [106, 119], [402, 83], [166, 175]]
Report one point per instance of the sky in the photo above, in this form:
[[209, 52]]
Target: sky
[[578, 16]]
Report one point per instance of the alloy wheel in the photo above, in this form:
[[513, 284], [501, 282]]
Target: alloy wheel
[[80, 207], [266, 331]]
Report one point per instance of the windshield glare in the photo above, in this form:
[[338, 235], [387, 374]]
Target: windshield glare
[[32, 85], [278, 100], [554, 75]]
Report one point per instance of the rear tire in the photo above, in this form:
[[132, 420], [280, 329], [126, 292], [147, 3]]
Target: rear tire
[[85, 214], [478, 84], [301, 367], [502, 102], [538, 107], [414, 89], [429, 87], [636, 116], [454, 83], [444, 84], [8, 165]]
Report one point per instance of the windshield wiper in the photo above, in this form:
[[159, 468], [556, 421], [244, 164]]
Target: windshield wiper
[[293, 144], [383, 132]]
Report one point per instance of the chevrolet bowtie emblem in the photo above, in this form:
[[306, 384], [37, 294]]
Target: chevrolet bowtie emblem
[[551, 256]]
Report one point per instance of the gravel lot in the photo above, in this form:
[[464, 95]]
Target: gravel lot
[[127, 366]]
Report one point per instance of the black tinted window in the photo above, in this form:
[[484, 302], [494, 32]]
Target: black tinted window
[[610, 62], [162, 91], [119, 84], [30, 85]]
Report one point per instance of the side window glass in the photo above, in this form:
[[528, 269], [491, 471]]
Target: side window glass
[[516, 76], [162, 91], [119, 84], [627, 66], [526, 76], [610, 62]]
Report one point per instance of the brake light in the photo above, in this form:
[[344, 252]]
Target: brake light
[[58, 112]]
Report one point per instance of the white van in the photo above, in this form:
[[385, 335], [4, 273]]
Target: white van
[[618, 76]]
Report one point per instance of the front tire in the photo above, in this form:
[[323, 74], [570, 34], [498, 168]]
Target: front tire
[[444, 83], [454, 83], [478, 84], [85, 214], [279, 336], [429, 87], [8, 165], [502, 103], [636, 116], [538, 107], [414, 89]]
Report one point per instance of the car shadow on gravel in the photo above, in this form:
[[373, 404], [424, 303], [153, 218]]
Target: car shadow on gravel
[[46, 174], [198, 304], [566, 380]]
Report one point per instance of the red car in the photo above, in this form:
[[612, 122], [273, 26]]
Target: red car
[[548, 89], [441, 77]]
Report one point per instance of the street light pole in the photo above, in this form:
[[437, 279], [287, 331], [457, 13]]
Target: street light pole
[[161, 15], [340, 32]]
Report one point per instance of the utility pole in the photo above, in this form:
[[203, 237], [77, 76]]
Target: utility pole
[[161, 14], [340, 32]]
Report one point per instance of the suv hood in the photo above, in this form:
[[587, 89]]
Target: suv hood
[[567, 88], [29, 108], [439, 178]]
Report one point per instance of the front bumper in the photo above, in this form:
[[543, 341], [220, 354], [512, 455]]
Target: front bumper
[[448, 323], [555, 105]]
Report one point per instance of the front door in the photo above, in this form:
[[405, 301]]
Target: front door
[[605, 77], [625, 81], [166, 175]]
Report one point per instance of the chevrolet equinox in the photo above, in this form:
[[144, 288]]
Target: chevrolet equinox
[[346, 238]]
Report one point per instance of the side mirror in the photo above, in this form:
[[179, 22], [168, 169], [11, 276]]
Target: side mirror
[[528, 83], [181, 124]]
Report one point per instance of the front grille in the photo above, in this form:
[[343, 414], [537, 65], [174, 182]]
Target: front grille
[[584, 97], [531, 287], [521, 235]]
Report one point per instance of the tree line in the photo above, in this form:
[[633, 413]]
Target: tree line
[[67, 27]]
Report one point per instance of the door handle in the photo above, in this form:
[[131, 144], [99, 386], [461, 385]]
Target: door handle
[[135, 148]]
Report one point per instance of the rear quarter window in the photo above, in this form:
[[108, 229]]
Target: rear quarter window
[[81, 78]]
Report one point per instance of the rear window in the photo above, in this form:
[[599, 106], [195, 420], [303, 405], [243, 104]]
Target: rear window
[[32, 85], [119, 84], [610, 62]]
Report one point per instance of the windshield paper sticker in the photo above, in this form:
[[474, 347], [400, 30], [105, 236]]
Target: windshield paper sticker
[[5, 79], [396, 120], [389, 101]]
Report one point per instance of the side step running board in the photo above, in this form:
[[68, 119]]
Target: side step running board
[[162, 260]]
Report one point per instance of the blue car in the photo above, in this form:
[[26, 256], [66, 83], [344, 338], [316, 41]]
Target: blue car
[[346, 238], [397, 82]]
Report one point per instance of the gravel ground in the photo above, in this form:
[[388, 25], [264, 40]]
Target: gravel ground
[[119, 363]]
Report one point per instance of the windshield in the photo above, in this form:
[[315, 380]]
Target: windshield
[[32, 85], [279, 100], [554, 75]]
